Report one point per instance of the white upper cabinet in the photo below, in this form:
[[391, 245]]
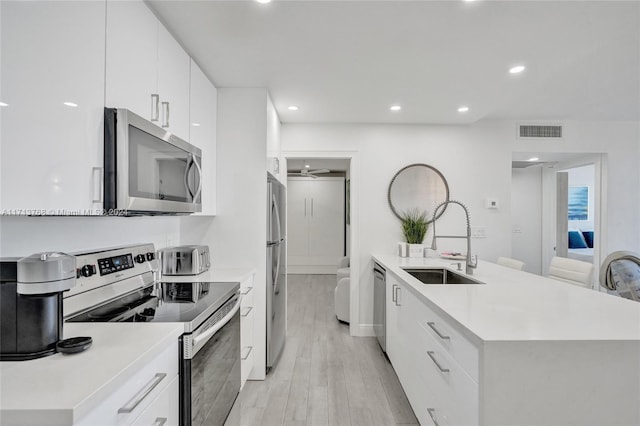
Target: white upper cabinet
[[173, 84], [132, 56], [203, 133], [147, 70], [52, 66]]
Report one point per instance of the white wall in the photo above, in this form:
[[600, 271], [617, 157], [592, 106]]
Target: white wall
[[621, 142], [526, 212], [476, 161], [21, 236], [238, 234]]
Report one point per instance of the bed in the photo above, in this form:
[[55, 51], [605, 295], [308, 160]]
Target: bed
[[581, 245]]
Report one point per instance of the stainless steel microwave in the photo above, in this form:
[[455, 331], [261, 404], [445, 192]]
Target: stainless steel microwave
[[148, 170]]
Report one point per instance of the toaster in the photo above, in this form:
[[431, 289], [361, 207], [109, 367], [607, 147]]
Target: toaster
[[184, 260]]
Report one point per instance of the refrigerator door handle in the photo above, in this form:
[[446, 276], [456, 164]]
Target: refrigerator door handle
[[276, 273], [274, 207]]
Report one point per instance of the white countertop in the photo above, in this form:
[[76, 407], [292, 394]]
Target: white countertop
[[232, 275], [514, 305], [66, 387]]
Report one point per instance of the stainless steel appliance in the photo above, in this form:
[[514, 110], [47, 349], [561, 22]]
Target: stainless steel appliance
[[380, 304], [31, 304], [184, 260], [210, 312], [148, 170], [276, 270]]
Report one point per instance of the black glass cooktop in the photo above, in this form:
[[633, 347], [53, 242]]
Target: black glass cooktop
[[188, 303]]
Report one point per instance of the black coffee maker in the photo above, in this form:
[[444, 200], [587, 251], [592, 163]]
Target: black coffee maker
[[31, 304]]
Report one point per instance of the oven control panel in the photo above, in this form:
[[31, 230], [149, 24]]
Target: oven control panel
[[109, 265]]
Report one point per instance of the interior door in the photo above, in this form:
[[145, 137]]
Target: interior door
[[562, 214], [326, 221]]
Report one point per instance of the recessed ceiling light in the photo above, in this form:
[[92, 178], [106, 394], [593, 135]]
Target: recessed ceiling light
[[263, 1], [306, 166], [293, 108], [533, 159], [195, 124], [395, 108], [3, 104], [463, 109], [71, 104], [517, 69]]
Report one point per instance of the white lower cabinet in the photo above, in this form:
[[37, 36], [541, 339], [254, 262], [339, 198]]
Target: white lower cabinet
[[150, 395], [440, 390], [246, 329]]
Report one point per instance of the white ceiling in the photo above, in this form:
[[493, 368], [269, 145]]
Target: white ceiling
[[348, 61]]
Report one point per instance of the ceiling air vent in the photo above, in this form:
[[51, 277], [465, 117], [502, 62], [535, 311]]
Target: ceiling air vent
[[540, 131]]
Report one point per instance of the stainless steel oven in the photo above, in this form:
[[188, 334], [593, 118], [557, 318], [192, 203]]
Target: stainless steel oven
[[148, 170], [210, 367], [117, 285]]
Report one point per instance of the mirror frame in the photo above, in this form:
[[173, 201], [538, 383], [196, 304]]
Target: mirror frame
[[446, 186]]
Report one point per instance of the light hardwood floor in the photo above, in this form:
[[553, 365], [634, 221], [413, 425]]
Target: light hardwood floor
[[324, 376]]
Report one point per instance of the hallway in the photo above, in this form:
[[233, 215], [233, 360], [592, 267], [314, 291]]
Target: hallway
[[324, 376]]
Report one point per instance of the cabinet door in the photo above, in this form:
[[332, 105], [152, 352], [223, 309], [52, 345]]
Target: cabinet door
[[173, 84], [297, 223], [52, 54], [132, 58], [326, 219], [203, 133]]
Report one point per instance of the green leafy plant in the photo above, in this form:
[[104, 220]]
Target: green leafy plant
[[414, 225]]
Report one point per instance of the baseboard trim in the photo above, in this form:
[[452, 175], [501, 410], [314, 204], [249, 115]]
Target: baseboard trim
[[363, 330]]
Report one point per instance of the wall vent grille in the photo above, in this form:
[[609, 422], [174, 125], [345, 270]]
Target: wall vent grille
[[540, 131]]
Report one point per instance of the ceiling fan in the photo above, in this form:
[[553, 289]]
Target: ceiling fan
[[309, 173]]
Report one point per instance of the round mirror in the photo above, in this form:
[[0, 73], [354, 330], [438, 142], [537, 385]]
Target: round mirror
[[417, 186]]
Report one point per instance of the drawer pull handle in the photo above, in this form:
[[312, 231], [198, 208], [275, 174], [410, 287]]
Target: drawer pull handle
[[432, 414], [142, 394], [433, 358], [246, 291], [433, 327], [244, 358], [160, 421], [246, 313]]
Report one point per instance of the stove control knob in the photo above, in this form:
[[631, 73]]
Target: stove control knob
[[151, 256], [87, 270], [140, 258]]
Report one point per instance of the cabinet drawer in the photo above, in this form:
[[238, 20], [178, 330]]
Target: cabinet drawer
[[163, 411], [127, 402], [246, 326], [246, 294], [455, 389], [461, 349], [246, 362]]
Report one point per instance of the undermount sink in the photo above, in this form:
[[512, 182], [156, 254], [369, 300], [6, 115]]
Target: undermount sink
[[440, 276]]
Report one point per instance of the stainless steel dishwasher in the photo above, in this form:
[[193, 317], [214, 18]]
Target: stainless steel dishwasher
[[380, 304]]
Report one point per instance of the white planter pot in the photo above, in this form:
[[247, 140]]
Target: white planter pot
[[416, 250]]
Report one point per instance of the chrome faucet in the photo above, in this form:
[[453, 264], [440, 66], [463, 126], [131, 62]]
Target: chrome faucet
[[472, 261]]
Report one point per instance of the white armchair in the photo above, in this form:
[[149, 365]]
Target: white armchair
[[342, 290]]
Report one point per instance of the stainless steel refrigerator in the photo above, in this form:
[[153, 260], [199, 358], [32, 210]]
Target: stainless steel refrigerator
[[276, 270]]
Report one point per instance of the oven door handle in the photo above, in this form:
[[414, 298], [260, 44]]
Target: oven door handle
[[199, 341]]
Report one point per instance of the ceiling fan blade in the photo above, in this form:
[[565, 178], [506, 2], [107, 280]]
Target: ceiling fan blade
[[320, 171]]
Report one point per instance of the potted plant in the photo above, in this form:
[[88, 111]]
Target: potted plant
[[414, 228]]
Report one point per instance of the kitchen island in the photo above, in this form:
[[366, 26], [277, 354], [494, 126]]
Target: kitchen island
[[518, 349], [91, 386]]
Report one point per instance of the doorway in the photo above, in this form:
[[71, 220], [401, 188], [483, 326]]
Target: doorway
[[584, 214], [347, 161]]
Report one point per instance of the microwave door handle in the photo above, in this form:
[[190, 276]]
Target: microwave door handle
[[186, 175], [199, 169]]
